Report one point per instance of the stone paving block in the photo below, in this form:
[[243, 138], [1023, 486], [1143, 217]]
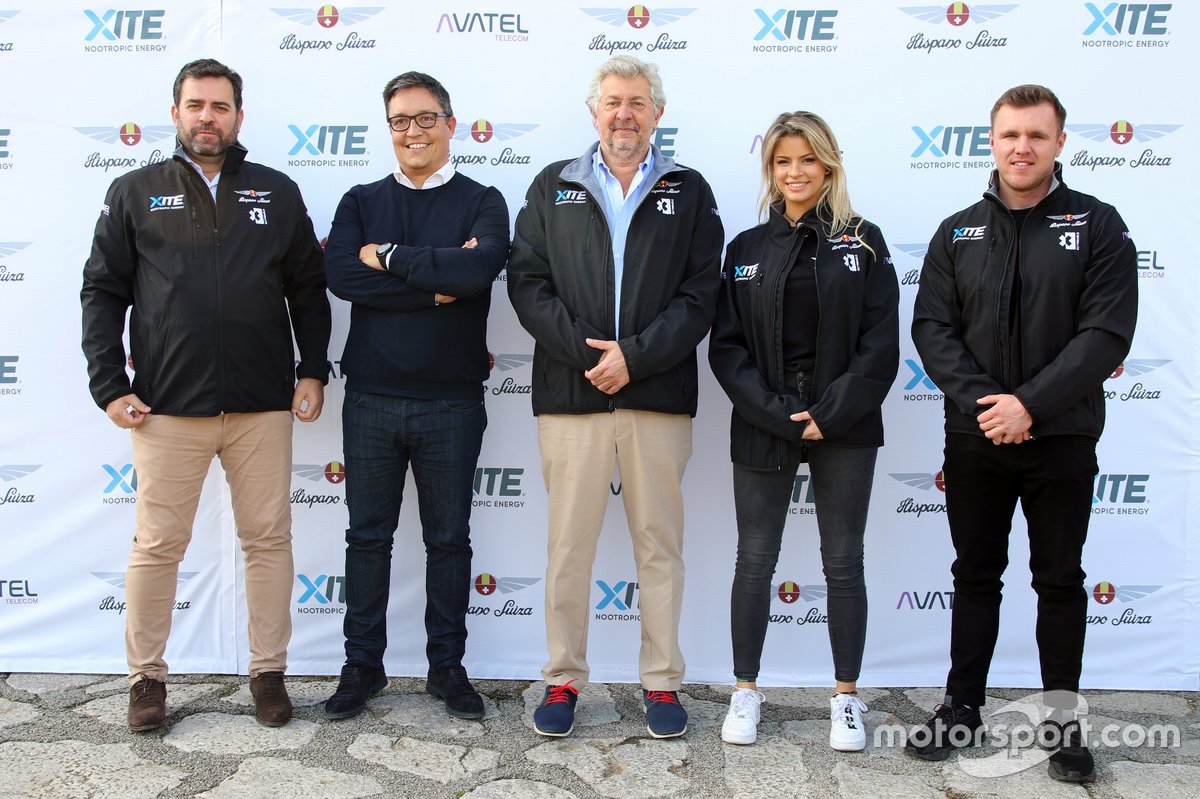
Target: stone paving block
[[303, 694], [115, 684], [621, 769], [14, 713], [596, 705], [1031, 782], [861, 783], [1129, 780], [223, 734], [770, 769], [114, 709], [260, 777], [429, 715], [79, 770], [703, 714], [426, 759], [43, 684], [518, 789], [1138, 702]]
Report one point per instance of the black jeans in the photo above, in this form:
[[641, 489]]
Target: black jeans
[[841, 481], [440, 439], [1052, 477]]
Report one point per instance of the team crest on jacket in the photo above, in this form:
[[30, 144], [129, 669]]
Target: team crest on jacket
[[253, 196], [1068, 220]]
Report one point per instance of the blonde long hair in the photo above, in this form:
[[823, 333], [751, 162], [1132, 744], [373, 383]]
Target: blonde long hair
[[833, 206]]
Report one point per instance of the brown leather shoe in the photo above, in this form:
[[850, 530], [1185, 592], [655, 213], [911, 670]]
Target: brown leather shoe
[[147, 705], [272, 707]]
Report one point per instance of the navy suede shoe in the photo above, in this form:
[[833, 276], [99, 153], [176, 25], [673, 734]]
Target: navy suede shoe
[[665, 717], [555, 716]]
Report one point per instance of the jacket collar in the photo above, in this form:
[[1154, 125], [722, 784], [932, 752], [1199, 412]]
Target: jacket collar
[[234, 157], [993, 192], [580, 170]]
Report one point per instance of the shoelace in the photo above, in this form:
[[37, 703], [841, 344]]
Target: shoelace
[[667, 697], [745, 702], [560, 693], [143, 690], [846, 704]]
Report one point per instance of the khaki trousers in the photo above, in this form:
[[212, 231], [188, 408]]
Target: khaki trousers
[[172, 455], [578, 454]]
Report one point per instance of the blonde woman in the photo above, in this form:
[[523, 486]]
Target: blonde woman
[[805, 343]]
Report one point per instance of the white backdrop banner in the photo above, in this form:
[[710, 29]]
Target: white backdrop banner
[[85, 96]]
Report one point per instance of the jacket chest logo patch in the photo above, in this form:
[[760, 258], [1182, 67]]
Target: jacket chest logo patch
[[253, 196], [1068, 220], [745, 272], [258, 216], [666, 206], [172, 202], [850, 261], [570, 197], [1069, 240], [844, 242], [968, 234]]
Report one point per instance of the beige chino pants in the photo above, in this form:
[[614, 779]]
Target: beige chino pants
[[578, 454], [172, 455]]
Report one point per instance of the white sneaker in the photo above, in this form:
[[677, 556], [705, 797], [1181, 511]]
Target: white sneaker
[[741, 722], [846, 731]]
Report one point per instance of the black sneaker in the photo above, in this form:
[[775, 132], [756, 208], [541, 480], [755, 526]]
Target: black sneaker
[[555, 716], [665, 717], [1072, 762], [452, 687], [357, 684], [951, 727]]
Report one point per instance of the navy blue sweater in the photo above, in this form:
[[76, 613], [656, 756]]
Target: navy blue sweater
[[400, 342]]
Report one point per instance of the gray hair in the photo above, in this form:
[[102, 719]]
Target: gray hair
[[626, 66]]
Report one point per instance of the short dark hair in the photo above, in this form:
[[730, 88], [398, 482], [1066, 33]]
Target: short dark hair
[[1031, 94], [418, 80], [209, 68]]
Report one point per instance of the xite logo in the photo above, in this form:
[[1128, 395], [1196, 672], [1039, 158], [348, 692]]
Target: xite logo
[[497, 482], [961, 140], [620, 595], [123, 479], [1129, 489], [919, 377], [1132, 19], [800, 24], [125, 24], [330, 139], [324, 588]]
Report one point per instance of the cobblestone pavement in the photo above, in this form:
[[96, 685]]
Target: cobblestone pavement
[[63, 736]]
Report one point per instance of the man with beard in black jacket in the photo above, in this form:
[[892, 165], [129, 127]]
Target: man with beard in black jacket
[[217, 257], [1027, 303]]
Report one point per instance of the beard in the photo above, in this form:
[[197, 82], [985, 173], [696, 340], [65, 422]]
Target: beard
[[625, 148], [207, 145]]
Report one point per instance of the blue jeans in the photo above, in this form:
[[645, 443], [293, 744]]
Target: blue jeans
[[440, 439], [841, 481]]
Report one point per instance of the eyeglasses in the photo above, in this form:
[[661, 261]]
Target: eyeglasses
[[400, 122]]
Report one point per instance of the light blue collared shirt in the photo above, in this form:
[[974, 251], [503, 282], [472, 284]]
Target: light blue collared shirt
[[212, 184], [618, 208]]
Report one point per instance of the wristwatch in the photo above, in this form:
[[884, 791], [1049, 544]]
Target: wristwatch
[[382, 253]]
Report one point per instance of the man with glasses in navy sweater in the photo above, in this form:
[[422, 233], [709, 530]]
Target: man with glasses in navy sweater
[[416, 254]]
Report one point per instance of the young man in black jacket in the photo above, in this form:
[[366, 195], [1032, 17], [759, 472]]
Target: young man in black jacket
[[1027, 303], [218, 259]]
